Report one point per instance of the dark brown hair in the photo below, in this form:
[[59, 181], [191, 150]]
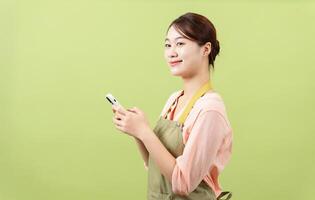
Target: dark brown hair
[[200, 29]]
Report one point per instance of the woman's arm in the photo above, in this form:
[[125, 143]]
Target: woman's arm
[[208, 139], [129, 123], [143, 151], [164, 159]]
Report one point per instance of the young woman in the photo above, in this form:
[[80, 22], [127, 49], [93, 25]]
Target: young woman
[[192, 140]]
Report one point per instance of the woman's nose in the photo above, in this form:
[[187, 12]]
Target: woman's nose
[[172, 52]]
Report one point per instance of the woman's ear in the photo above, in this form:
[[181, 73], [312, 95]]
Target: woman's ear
[[206, 49]]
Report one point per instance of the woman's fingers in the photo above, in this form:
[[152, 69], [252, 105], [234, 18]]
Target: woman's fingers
[[117, 122], [114, 108], [119, 116], [119, 109], [131, 110], [134, 109]]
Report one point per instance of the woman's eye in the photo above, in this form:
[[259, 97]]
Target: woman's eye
[[178, 44]]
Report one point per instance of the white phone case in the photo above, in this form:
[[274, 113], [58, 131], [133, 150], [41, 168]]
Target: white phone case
[[112, 99]]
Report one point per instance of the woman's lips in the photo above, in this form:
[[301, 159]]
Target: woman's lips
[[175, 63]]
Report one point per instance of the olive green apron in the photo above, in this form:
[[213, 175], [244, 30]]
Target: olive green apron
[[170, 134]]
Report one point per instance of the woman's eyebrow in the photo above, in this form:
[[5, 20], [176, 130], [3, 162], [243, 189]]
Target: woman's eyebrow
[[175, 38]]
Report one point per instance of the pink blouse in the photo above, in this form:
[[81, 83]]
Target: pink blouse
[[208, 136]]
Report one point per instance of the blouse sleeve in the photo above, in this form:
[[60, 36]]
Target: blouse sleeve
[[199, 153]]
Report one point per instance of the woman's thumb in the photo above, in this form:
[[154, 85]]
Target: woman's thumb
[[134, 109]]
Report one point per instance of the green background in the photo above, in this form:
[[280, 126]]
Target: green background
[[58, 59]]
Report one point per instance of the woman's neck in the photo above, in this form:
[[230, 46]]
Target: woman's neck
[[192, 84]]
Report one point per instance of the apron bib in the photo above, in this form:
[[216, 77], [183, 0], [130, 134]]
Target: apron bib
[[169, 133]]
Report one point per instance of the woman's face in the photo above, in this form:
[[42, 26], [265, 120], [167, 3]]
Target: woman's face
[[188, 52]]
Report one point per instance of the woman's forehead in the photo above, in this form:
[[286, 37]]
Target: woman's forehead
[[173, 34]]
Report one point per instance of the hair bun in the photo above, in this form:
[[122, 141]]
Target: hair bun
[[217, 46]]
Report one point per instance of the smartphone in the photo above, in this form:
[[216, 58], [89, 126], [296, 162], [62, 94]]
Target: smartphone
[[112, 99]]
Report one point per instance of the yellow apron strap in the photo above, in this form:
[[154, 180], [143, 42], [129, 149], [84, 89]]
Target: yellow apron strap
[[206, 87]]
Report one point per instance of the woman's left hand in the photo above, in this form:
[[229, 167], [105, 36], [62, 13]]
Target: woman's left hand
[[131, 121]]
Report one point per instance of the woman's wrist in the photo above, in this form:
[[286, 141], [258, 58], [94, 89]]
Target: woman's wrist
[[145, 134]]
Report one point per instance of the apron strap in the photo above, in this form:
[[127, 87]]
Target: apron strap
[[201, 91], [223, 194]]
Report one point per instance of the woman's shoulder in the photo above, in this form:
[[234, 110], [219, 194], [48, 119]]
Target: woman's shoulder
[[210, 101]]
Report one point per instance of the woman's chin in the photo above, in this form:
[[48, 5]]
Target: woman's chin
[[175, 72]]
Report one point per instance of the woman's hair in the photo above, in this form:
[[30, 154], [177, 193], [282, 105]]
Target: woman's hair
[[200, 29]]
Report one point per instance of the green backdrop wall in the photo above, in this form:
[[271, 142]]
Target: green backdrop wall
[[59, 58]]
